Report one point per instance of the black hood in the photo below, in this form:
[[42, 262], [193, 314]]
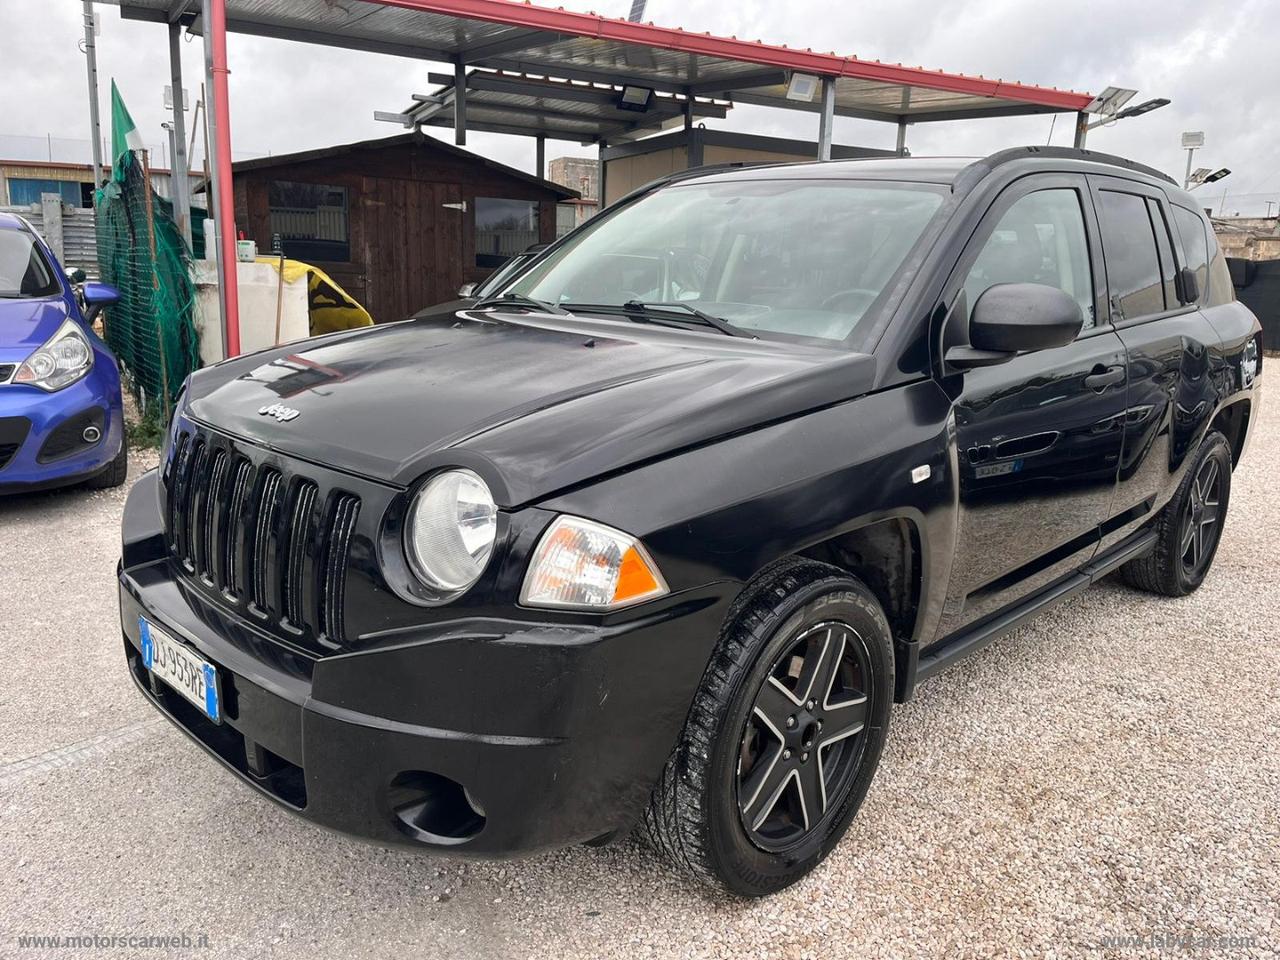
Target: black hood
[[536, 404]]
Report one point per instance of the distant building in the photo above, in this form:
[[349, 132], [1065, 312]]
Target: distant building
[[23, 181], [1249, 238], [583, 175]]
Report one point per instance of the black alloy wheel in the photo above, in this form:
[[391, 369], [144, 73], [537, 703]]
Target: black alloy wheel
[[803, 739], [1189, 528], [1202, 519], [784, 735]]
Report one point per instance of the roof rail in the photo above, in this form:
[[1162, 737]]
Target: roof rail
[[980, 168]]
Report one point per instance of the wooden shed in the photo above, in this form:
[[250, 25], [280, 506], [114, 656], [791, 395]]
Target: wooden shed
[[400, 222]]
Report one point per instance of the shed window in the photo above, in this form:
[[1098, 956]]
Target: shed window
[[503, 229], [311, 219]]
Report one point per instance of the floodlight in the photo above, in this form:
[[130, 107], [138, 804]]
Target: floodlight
[[1145, 107], [1110, 100], [1217, 175], [803, 87], [635, 98], [1193, 140]]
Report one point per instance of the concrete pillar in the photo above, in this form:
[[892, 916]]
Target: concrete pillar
[[51, 211]]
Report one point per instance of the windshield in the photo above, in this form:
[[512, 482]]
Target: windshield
[[24, 272], [787, 258]]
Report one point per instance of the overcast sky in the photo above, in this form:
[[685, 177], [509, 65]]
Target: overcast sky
[[1217, 60]]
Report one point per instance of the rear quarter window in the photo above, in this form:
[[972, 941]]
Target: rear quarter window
[[1195, 246]]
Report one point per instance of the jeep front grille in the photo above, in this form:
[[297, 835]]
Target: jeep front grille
[[274, 542]]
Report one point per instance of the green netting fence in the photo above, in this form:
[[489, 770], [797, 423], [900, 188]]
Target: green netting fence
[[142, 254]]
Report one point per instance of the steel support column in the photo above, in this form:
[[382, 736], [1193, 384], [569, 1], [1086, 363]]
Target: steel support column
[[181, 187], [223, 207], [901, 147], [540, 156], [1082, 129], [91, 60], [601, 171], [826, 117], [460, 103]]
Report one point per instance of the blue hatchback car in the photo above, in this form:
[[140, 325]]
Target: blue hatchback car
[[61, 415]]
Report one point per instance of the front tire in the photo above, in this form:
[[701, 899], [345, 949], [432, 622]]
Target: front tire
[[114, 474], [784, 734], [1190, 526]]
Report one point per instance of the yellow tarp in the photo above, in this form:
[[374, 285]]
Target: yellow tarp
[[329, 306]]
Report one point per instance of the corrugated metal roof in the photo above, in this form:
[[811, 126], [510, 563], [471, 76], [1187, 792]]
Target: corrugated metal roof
[[497, 101], [525, 38]]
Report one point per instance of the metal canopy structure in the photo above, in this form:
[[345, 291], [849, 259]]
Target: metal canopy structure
[[527, 39], [652, 69], [499, 102]]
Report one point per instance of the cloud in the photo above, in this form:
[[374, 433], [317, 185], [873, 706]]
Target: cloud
[[1214, 58]]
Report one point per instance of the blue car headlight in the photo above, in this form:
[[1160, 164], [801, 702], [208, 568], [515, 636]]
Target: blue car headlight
[[63, 359]]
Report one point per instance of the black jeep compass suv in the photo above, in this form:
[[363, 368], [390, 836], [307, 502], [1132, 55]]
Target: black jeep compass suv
[[657, 534]]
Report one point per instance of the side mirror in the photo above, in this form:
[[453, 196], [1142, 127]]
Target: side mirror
[[467, 290], [96, 296], [1013, 318]]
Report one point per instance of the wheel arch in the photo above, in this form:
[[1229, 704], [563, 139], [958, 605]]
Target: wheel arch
[[1232, 421], [885, 554]]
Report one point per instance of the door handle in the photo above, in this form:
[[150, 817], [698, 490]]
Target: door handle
[[1103, 377]]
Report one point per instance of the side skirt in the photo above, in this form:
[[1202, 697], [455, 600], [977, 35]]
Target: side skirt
[[972, 639]]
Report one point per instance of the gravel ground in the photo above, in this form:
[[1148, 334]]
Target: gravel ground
[[1107, 772]]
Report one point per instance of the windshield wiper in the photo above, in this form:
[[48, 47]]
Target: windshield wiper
[[518, 300], [668, 313]]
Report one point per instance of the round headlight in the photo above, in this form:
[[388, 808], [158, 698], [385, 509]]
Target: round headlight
[[451, 529]]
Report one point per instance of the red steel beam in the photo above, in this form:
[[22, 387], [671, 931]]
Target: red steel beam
[[217, 27], [592, 25]]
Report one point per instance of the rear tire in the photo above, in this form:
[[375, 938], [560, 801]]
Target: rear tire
[[115, 472], [1189, 528], [808, 646]]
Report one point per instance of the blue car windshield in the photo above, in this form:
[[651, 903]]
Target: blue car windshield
[[791, 259], [24, 271]]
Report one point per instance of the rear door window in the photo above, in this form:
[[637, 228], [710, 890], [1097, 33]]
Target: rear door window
[[1133, 263], [1164, 245]]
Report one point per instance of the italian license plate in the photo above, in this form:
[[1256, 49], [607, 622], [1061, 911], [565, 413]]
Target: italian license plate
[[181, 669]]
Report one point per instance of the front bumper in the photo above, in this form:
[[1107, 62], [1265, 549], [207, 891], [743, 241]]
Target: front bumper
[[23, 470], [555, 732]]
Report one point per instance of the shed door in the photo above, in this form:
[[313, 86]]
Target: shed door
[[444, 258], [413, 246]]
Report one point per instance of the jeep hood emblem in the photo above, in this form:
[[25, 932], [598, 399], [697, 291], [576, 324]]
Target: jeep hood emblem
[[282, 413]]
